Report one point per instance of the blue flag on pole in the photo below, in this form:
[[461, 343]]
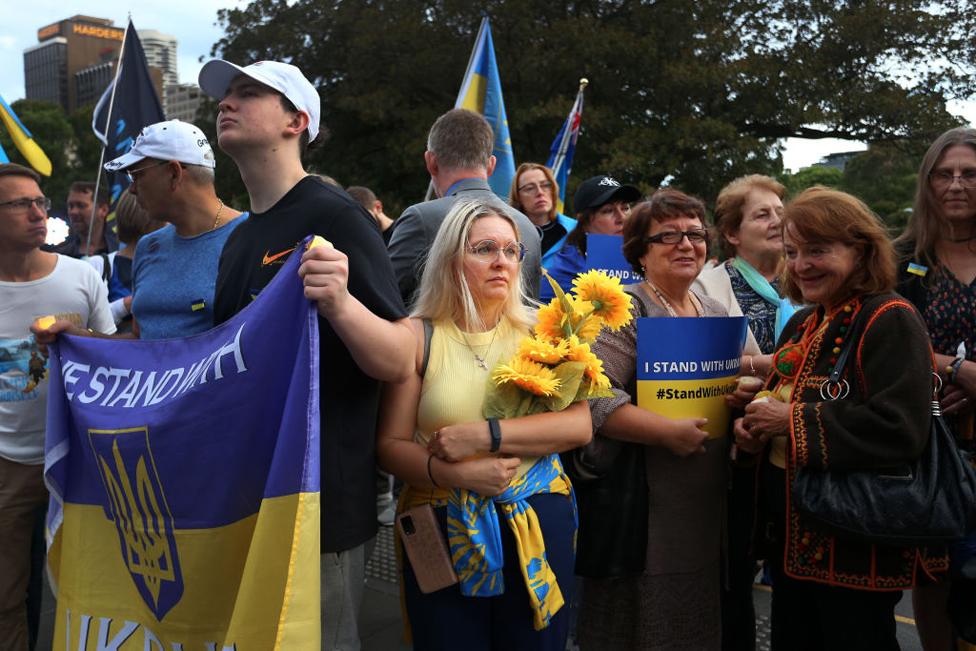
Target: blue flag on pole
[[135, 105], [481, 92], [564, 146], [184, 478]]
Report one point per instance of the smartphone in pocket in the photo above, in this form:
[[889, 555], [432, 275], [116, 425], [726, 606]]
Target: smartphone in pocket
[[425, 546]]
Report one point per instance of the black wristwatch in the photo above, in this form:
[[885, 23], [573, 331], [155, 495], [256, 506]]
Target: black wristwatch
[[496, 434]]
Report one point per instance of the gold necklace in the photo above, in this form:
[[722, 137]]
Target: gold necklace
[[667, 305], [479, 360], [217, 218]]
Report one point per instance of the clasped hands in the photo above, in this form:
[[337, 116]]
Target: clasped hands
[[763, 420]]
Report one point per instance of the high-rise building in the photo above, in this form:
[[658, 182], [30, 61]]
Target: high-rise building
[[182, 102], [64, 48], [160, 52]]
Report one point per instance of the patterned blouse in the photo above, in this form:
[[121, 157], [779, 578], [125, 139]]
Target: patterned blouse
[[760, 312], [951, 314]]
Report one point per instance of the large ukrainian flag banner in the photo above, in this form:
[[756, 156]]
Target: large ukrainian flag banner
[[184, 479], [481, 92], [685, 367]]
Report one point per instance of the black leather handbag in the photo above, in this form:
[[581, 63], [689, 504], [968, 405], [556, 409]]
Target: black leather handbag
[[929, 502]]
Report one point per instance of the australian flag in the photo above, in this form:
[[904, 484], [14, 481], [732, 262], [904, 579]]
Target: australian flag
[[135, 105]]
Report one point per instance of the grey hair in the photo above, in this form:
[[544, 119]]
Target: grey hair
[[200, 174], [461, 139], [444, 293]]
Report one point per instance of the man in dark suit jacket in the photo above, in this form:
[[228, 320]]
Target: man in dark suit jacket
[[459, 161]]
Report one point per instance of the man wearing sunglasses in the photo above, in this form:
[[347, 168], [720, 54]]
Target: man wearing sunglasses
[[33, 283], [171, 171], [459, 161]]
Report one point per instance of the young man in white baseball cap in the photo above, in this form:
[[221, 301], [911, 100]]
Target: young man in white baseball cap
[[171, 169], [267, 113]]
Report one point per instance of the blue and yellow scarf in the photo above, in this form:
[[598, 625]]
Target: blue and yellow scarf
[[474, 536]]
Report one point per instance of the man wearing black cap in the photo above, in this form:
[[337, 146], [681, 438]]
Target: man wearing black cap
[[602, 206]]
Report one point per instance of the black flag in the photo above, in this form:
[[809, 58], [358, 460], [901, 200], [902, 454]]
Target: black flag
[[136, 105]]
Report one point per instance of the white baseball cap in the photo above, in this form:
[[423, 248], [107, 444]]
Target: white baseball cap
[[170, 140], [216, 75]]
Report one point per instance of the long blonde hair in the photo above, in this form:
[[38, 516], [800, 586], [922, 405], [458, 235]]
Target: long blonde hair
[[444, 294]]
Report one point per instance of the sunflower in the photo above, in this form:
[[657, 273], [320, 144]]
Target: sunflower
[[526, 374], [540, 350], [551, 320], [588, 328], [610, 302], [580, 352]]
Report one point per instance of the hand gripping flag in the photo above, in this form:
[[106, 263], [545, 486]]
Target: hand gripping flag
[[481, 92], [564, 146], [184, 478], [23, 141]]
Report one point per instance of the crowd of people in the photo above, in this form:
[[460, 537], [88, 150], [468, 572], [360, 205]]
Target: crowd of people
[[653, 532]]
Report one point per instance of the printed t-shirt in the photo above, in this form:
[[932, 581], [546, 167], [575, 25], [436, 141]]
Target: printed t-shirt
[[73, 291]]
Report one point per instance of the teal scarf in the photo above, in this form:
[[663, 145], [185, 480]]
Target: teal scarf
[[784, 308]]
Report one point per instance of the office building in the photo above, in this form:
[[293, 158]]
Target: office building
[[64, 49]]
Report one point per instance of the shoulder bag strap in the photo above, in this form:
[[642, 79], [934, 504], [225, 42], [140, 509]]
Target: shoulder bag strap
[[428, 335]]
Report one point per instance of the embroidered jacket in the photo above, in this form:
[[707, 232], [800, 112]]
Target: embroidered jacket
[[882, 423]]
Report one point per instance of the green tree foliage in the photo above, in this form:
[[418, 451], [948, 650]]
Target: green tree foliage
[[884, 178], [701, 91], [808, 177]]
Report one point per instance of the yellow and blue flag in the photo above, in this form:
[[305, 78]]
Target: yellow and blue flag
[[481, 92], [23, 140], [184, 478], [564, 146], [686, 367]]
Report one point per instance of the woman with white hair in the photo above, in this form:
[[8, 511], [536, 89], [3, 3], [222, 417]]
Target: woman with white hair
[[433, 436]]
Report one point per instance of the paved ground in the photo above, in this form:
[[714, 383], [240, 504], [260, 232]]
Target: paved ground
[[381, 626]]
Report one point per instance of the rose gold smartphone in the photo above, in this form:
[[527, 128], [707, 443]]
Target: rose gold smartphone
[[424, 543]]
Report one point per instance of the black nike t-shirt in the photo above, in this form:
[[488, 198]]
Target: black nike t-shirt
[[349, 399]]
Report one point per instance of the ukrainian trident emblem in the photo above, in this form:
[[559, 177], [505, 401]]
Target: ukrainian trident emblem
[[142, 518]]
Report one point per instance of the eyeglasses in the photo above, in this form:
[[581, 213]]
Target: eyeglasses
[[134, 174], [23, 205], [487, 251], [942, 179], [695, 236], [532, 188]]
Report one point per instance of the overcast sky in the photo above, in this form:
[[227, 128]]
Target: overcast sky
[[193, 23]]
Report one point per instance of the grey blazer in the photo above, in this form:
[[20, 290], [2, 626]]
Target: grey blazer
[[417, 226]]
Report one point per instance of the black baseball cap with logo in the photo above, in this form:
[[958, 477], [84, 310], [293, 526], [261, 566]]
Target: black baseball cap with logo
[[598, 190]]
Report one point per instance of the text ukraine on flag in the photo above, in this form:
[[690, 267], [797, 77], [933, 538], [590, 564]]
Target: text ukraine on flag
[[184, 477]]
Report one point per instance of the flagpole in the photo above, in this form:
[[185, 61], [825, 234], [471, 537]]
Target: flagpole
[[481, 28], [564, 145], [101, 158]]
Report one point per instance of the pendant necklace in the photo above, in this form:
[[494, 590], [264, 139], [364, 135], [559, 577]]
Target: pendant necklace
[[667, 304], [479, 360]]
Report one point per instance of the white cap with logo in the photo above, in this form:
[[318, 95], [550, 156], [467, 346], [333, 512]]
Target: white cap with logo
[[216, 75], [170, 140]]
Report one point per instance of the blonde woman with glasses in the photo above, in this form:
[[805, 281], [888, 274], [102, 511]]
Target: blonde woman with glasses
[[514, 553]]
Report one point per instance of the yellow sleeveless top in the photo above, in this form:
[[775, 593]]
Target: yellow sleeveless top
[[455, 384]]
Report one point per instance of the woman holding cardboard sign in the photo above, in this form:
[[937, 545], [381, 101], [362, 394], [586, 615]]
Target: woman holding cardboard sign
[[651, 516]]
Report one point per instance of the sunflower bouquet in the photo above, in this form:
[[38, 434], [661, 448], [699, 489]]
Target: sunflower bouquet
[[555, 367]]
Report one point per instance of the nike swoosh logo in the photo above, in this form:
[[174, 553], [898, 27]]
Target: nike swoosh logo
[[268, 259]]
